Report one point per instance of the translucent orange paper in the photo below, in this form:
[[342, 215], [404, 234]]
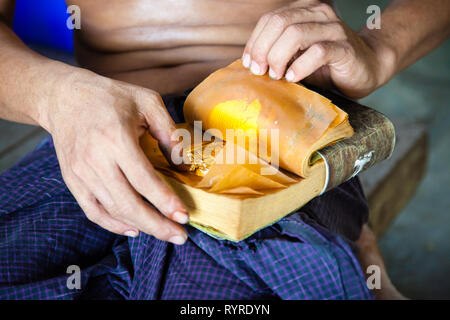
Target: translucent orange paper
[[233, 98], [221, 178]]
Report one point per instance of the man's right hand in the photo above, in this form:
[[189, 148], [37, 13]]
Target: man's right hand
[[96, 123]]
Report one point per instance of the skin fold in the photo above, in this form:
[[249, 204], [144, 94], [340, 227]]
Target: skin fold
[[131, 52]]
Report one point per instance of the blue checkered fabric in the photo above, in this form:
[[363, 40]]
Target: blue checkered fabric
[[43, 231]]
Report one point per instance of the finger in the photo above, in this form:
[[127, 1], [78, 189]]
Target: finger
[[326, 9], [159, 122], [144, 179], [246, 59], [133, 210], [317, 56], [95, 212], [300, 37], [273, 29], [103, 198], [321, 78]]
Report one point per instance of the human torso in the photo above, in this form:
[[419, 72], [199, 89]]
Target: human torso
[[165, 45]]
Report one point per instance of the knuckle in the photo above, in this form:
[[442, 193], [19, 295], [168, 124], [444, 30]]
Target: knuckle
[[150, 95], [272, 59], [141, 183], [326, 9], [163, 202], [320, 50], [297, 32], [257, 55], [171, 201], [125, 208], [122, 211], [339, 31], [348, 49], [266, 17], [279, 20], [108, 203], [162, 232], [114, 211]]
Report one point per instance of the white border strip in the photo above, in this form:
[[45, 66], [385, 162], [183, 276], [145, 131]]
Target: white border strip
[[327, 175]]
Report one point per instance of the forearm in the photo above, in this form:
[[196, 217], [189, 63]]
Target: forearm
[[410, 29], [27, 80]]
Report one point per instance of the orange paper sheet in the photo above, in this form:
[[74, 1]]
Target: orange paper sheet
[[221, 178], [234, 98]]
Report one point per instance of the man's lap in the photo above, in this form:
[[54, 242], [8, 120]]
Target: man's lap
[[43, 231], [342, 210], [290, 260]]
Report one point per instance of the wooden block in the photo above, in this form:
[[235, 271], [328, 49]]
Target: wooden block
[[390, 184]]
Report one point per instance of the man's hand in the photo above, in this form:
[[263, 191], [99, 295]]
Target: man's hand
[[96, 123], [307, 40]]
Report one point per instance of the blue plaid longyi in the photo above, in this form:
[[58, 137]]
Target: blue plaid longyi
[[43, 231]]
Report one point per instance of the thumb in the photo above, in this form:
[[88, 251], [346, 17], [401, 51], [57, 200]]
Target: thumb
[[159, 123]]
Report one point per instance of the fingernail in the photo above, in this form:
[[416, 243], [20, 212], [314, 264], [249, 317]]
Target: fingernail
[[246, 60], [131, 233], [290, 76], [272, 74], [255, 69], [179, 240], [180, 217]]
